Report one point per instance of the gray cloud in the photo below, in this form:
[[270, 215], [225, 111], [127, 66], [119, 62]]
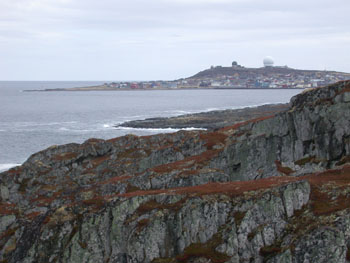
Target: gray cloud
[[166, 39]]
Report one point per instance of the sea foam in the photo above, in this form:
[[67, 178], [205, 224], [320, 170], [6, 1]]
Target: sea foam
[[159, 129]]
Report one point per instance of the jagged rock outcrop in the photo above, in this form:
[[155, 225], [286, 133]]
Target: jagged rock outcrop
[[272, 189]]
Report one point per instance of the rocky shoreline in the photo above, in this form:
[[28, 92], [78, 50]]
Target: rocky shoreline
[[274, 189], [207, 120]]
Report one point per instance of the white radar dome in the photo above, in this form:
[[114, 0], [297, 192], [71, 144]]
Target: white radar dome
[[268, 62]]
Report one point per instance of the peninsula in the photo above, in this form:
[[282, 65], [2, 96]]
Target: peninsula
[[233, 77], [207, 120]]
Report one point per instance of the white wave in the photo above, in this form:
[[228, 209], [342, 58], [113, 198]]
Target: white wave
[[241, 107], [56, 123], [159, 129], [118, 122], [6, 166], [2, 130], [182, 112], [34, 124], [86, 130], [99, 128], [254, 105], [212, 109], [178, 112], [193, 129], [135, 116]]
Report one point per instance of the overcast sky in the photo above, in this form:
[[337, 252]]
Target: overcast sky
[[167, 39]]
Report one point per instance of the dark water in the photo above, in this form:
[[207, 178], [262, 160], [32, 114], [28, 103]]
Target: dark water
[[32, 121]]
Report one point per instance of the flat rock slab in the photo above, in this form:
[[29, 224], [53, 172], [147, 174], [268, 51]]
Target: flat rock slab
[[207, 120]]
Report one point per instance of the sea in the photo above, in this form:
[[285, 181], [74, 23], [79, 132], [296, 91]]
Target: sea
[[33, 121]]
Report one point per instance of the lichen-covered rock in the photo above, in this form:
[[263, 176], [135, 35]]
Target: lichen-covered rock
[[273, 189]]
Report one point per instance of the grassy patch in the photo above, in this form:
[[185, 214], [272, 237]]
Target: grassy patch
[[23, 185], [65, 156], [164, 260], [269, 251], [344, 160], [142, 224], [282, 169], [238, 216], [205, 250], [131, 188], [306, 160], [152, 204], [213, 138]]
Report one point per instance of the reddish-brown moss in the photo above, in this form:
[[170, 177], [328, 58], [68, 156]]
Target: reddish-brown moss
[[116, 179], [306, 160], [153, 204], [323, 204], [268, 251], [204, 250], [33, 215], [346, 89], [94, 141], [212, 139], [239, 217], [282, 169], [7, 234], [229, 188], [23, 185], [340, 177], [323, 185], [142, 224], [131, 188], [8, 209], [15, 171], [344, 160], [97, 201], [188, 162], [83, 245], [148, 206], [97, 161], [348, 254], [65, 156], [164, 260], [189, 173], [240, 124], [43, 200], [46, 220]]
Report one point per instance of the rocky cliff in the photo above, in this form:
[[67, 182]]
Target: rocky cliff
[[272, 189]]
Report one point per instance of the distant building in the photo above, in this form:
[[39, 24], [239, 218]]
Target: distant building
[[134, 85], [236, 65], [268, 62]]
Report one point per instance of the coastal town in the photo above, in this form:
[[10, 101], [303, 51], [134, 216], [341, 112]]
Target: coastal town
[[234, 76], [240, 77]]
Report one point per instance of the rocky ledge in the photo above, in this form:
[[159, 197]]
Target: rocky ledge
[[272, 189], [207, 120]]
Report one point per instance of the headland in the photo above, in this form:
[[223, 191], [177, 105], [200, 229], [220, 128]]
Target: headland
[[270, 189]]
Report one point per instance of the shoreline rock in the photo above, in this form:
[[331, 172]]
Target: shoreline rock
[[271, 189], [207, 120]]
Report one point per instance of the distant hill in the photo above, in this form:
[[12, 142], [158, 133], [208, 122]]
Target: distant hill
[[231, 71], [265, 77]]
